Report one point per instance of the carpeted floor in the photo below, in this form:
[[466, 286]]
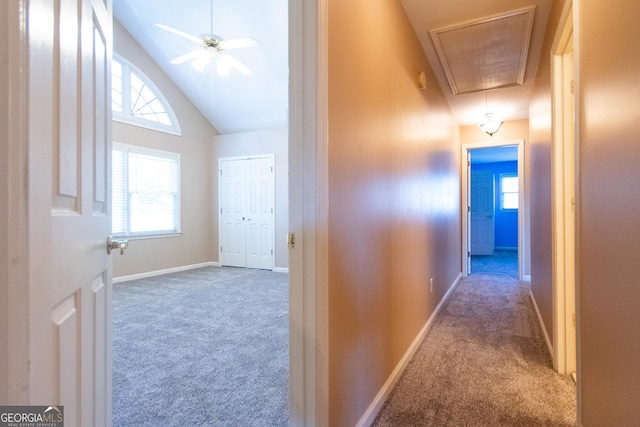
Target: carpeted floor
[[206, 347], [483, 363]]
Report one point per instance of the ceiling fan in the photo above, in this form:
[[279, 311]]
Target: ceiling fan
[[213, 48]]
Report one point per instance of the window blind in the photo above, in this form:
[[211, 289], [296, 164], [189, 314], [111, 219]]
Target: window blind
[[146, 191]]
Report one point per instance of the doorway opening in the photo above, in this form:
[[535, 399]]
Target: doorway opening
[[493, 197]]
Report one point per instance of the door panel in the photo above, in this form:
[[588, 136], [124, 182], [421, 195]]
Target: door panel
[[260, 213], [70, 344], [232, 225], [482, 213]]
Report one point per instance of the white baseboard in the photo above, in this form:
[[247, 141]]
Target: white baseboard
[[165, 271], [526, 278], [280, 270], [544, 330], [375, 406]]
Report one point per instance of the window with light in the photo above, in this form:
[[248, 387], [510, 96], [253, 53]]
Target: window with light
[[137, 101], [145, 191], [508, 191]]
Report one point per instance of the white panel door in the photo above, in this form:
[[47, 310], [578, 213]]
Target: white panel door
[[232, 225], [482, 213], [70, 124], [259, 211], [246, 195]]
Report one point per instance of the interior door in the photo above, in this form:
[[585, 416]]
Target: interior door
[[232, 224], [70, 124], [482, 212], [259, 212], [246, 197]]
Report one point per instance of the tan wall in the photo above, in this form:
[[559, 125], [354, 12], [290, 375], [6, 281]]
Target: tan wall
[[608, 58], [271, 141], [195, 245], [538, 162], [510, 130], [394, 196]]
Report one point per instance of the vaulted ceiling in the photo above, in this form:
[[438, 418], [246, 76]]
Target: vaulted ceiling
[[471, 45], [235, 102]]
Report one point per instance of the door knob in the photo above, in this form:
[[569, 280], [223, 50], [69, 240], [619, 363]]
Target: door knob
[[116, 244]]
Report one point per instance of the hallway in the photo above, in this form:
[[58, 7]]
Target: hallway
[[484, 362]]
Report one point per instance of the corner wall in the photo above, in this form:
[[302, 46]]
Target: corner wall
[[195, 245], [394, 198]]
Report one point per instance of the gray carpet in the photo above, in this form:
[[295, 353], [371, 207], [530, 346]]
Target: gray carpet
[[483, 363], [206, 347]]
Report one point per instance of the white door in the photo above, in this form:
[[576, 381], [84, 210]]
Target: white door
[[69, 191], [232, 225], [246, 195], [482, 213]]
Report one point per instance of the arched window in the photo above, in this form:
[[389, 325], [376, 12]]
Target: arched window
[[137, 101]]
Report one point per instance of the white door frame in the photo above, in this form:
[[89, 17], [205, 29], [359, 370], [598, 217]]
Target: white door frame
[[14, 207], [564, 190], [308, 212], [466, 200]]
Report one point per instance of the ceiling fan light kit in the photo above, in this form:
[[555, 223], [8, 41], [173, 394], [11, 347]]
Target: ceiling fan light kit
[[213, 49]]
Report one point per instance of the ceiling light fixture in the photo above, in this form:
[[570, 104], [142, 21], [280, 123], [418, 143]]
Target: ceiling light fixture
[[492, 124]]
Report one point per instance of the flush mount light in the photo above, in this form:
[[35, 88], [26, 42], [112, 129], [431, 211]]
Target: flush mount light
[[491, 125]]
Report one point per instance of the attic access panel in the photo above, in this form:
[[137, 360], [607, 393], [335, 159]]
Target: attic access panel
[[488, 53]]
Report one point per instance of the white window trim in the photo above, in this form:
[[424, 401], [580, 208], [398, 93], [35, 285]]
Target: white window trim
[[507, 175], [154, 234], [125, 115]]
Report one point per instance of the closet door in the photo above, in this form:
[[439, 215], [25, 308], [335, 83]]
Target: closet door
[[246, 195], [232, 229], [259, 212]]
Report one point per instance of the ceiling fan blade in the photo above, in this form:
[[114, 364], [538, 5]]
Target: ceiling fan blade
[[229, 61], [238, 43], [186, 57], [180, 33]]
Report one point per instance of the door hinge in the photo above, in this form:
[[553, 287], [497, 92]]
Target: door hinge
[[468, 208], [468, 254], [271, 251], [220, 248], [220, 170], [291, 240], [574, 320], [271, 169]]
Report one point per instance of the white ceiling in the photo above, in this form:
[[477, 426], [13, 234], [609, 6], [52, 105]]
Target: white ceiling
[[233, 103], [236, 103]]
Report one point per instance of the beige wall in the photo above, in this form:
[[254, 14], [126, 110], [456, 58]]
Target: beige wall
[[270, 141], [509, 131], [195, 245], [608, 61], [394, 196], [538, 162]]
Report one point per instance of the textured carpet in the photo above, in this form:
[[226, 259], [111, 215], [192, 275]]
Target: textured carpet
[[206, 347], [483, 363], [501, 263]]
